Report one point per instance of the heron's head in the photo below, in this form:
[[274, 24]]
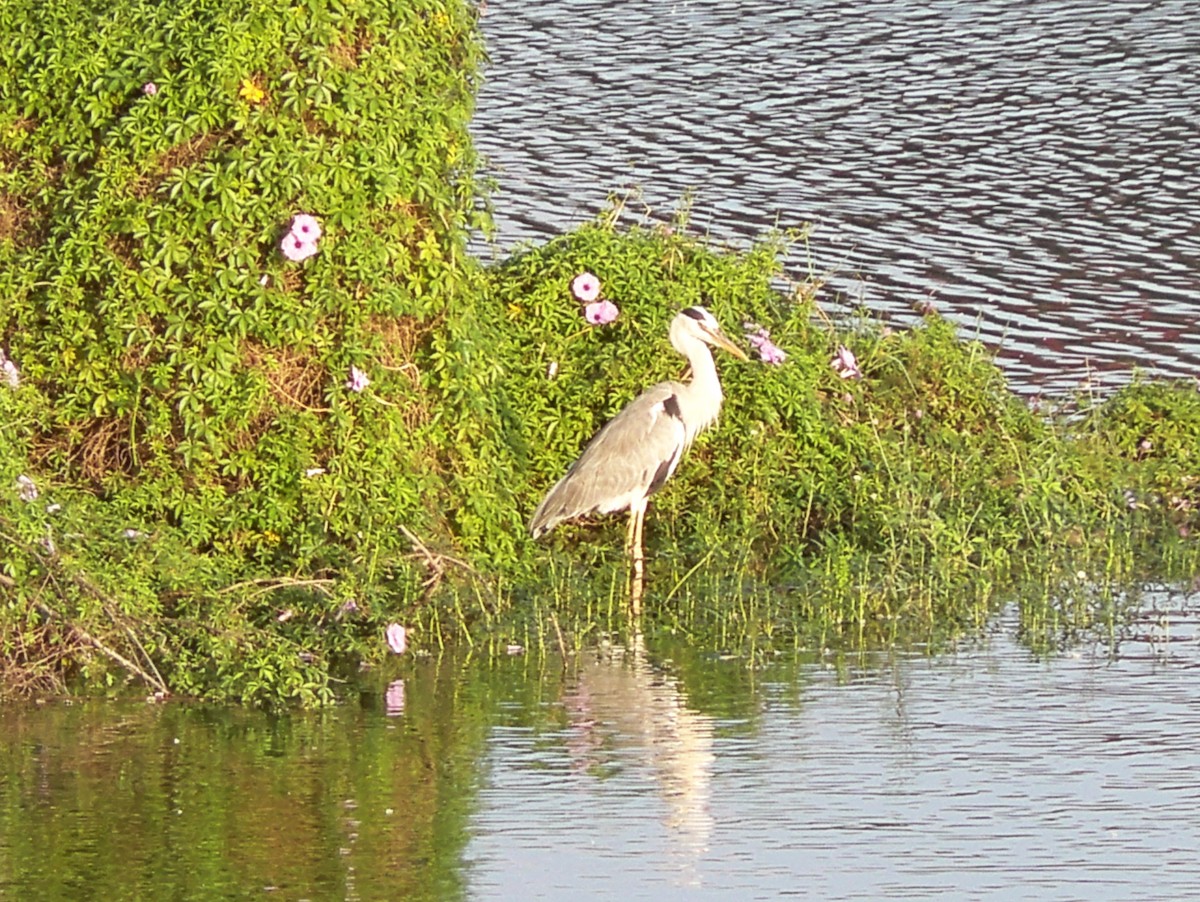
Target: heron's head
[[698, 323]]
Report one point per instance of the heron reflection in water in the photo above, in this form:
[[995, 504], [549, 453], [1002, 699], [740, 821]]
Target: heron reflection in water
[[625, 712]]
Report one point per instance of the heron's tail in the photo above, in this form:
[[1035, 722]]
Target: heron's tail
[[543, 519], [563, 502]]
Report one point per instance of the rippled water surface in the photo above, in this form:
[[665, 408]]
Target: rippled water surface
[[641, 771], [1032, 167], [982, 775]]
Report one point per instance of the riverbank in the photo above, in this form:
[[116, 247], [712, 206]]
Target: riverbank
[[264, 406]]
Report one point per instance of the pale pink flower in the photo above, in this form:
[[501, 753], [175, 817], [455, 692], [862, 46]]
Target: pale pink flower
[[12, 375], [585, 287], [397, 638], [845, 364], [600, 313], [26, 488], [358, 379], [306, 226], [149, 89], [769, 352], [760, 338], [296, 247]]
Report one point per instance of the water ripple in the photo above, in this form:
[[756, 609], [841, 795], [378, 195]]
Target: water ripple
[[1031, 167], [984, 774]]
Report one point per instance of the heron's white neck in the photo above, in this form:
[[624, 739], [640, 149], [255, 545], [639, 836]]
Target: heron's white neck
[[705, 382]]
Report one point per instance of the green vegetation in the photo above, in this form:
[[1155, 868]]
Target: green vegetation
[[224, 510], [900, 506], [183, 382]]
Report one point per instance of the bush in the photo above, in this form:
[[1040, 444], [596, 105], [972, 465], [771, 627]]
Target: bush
[[175, 362], [910, 491]]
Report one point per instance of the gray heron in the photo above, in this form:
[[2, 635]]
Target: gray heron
[[635, 452]]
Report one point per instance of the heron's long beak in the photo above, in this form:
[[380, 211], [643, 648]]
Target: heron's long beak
[[720, 340]]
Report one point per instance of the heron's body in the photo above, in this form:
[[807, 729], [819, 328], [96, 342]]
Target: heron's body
[[635, 453]]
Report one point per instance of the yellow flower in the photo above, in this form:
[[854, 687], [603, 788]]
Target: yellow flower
[[250, 92]]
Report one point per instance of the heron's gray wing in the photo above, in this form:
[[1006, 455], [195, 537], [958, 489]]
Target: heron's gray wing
[[629, 458]]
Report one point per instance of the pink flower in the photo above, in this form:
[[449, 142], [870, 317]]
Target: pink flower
[[149, 89], [760, 338], [358, 379], [397, 638], [297, 248], [845, 364], [585, 287], [26, 488], [11, 374], [600, 313], [306, 227], [771, 353]]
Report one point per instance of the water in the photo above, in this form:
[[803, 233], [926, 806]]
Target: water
[[640, 772], [980, 775], [1031, 168]]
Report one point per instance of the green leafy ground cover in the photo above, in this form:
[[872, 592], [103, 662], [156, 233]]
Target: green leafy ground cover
[[225, 507]]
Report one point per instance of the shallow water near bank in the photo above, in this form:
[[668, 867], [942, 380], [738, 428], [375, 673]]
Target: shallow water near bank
[[641, 770]]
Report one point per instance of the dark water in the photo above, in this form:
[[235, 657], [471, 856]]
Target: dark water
[[1030, 166], [640, 772]]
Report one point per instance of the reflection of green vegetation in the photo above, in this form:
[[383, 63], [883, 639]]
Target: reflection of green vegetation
[[195, 802], [231, 520]]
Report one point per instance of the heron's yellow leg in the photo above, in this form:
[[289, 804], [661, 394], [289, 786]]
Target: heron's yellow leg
[[637, 518]]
